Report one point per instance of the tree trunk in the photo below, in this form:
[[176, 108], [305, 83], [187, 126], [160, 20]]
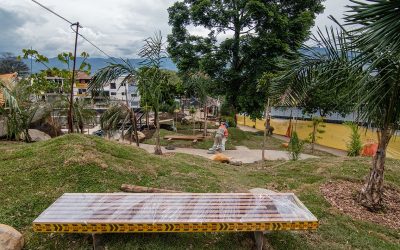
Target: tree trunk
[[176, 122], [371, 194], [147, 121], [135, 128], [313, 137], [157, 148], [205, 120], [265, 130], [194, 124]]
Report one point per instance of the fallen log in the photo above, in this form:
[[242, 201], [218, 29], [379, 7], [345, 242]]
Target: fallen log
[[140, 189]]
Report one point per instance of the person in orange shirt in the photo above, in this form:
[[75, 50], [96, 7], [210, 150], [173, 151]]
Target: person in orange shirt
[[221, 136]]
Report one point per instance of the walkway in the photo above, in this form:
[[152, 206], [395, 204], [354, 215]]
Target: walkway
[[241, 153], [329, 150]]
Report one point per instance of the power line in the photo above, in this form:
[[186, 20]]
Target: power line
[[44, 7], [73, 24]]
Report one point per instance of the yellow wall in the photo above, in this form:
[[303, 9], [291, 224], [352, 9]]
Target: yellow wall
[[335, 135]]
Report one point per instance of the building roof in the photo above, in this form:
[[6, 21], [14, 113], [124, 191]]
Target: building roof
[[80, 75]]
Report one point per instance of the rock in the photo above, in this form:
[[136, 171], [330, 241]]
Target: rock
[[170, 147], [261, 191], [38, 135], [220, 158], [141, 136], [235, 163], [10, 239]]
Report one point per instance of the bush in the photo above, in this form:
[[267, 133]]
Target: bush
[[354, 146], [295, 146], [230, 120]]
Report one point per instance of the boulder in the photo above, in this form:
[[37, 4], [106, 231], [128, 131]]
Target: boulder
[[220, 158], [235, 163], [10, 239], [141, 136], [38, 135]]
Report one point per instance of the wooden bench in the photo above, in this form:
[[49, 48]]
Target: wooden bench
[[192, 138], [99, 213]]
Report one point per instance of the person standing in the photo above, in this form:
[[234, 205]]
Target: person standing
[[221, 136]]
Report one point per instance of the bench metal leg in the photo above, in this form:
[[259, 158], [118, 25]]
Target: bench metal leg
[[97, 244], [259, 240]]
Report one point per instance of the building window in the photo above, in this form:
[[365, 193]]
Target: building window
[[81, 91], [133, 95], [123, 84], [123, 93], [113, 93], [112, 85]]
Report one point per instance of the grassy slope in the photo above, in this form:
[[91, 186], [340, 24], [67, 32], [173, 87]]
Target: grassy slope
[[32, 176]]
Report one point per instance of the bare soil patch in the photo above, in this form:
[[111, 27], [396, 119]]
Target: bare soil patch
[[341, 195]]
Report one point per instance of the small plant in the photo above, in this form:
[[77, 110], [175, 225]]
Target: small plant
[[295, 146], [317, 125], [354, 146], [230, 120]]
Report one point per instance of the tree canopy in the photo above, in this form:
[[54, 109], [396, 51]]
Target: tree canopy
[[10, 64], [245, 38]]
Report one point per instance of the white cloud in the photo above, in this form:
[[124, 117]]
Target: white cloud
[[118, 26]]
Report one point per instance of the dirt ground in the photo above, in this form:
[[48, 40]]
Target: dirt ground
[[342, 194]]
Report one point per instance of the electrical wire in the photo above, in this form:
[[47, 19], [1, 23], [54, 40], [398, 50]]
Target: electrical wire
[[73, 24], [44, 7]]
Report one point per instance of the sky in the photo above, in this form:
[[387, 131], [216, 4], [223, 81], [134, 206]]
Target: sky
[[118, 27]]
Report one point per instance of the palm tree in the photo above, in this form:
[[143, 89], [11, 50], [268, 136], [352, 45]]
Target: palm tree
[[110, 73], [118, 116], [83, 113], [366, 58], [17, 110], [151, 79]]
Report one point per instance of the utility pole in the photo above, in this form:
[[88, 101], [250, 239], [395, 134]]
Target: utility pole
[[71, 99]]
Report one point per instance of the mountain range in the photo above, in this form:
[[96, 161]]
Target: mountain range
[[96, 63]]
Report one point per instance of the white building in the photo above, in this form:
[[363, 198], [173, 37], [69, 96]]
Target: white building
[[117, 91]]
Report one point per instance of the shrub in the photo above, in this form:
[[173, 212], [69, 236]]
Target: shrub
[[230, 120], [295, 146], [354, 146]]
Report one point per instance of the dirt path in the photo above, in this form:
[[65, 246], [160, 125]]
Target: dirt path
[[329, 150]]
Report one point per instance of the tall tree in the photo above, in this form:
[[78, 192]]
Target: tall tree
[[110, 73], [368, 62], [152, 79], [245, 37], [11, 64]]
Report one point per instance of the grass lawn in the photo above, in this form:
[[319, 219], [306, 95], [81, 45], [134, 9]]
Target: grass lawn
[[33, 175], [236, 137]]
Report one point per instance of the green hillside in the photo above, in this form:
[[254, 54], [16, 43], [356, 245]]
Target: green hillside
[[33, 175]]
